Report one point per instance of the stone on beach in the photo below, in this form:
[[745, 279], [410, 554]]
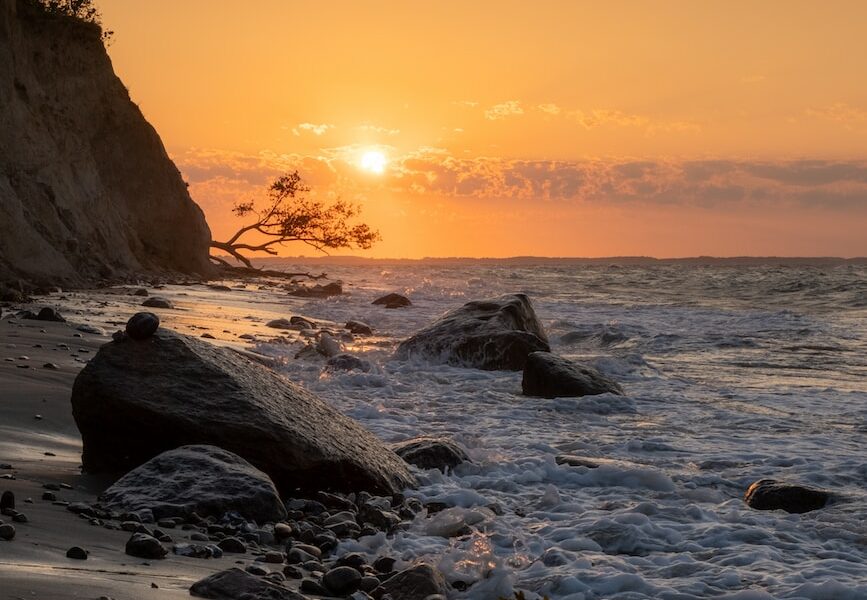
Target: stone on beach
[[203, 479], [416, 583], [342, 580], [347, 362], [142, 325], [769, 494], [431, 453], [317, 291], [495, 334], [142, 545], [547, 375], [46, 314], [133, 401], [234, 583], [157, 302], [392, 301]]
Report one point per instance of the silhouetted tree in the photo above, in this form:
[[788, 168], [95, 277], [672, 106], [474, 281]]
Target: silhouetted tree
[[84, 10], [289, 215]]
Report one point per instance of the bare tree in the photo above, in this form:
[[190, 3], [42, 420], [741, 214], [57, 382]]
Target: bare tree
[[289, 215]]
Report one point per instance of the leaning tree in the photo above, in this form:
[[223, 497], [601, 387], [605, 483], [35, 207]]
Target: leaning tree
[[290, 215]]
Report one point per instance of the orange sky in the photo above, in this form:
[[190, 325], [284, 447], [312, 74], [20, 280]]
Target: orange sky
[[510, 128]]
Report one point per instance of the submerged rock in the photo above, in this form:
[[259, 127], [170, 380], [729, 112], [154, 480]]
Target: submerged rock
[[392, 301], [416, 583], [769, 494], [431, 453], [133, 401], [347, 362], [358, 328], [317, 291], [549, 376], [235, 583], [495, 334], [203, 479]]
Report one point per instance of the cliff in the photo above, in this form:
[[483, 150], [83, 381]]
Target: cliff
[[87, 191]]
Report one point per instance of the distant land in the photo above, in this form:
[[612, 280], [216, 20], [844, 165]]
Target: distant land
[[549, 260]]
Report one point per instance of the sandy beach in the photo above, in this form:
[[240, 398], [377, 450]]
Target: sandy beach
[[40, 442]]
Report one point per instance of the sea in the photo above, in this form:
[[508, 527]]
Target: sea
[[734, 371]]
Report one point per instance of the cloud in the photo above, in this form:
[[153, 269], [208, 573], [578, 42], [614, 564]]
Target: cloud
[[839, 112], [315, 129], [503, 110], [820, 184], [379, 130], [550, 109]]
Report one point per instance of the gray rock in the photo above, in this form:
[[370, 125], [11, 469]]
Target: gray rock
[[142, 545], [157, 302], [301, 323], [279, 324], [202, 479], [495, 334], [233, 545], [233, 584], [416, 583], [177, 390], [549, 376], [769, 494], [46, 314], [347, 362], [85, 328], [431, 453], [342, 580], [392, 301], [358, 328], [142, 325]]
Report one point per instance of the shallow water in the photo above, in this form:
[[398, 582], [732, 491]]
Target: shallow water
[[732, 374]]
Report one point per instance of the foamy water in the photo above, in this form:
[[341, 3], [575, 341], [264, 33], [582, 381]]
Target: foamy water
[[732, 374]]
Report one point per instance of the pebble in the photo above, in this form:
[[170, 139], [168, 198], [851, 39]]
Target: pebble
[[384, 564], [7, 531], [77, 552], [7, 501], [49, 496], [274, 557], [255, 569]]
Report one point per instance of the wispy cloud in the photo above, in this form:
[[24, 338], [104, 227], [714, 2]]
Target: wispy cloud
[[504, 109], [550, 109], [840, 112], [314, 128], [379, 130]]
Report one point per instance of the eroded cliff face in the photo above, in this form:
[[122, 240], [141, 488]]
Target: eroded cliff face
[[87, 191]]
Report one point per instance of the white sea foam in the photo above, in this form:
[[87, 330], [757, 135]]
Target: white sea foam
[[731, 375]]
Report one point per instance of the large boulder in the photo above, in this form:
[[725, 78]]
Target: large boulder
[[203, 479], [495, 334], [769, 494], [136, 399], [431, 452], [547, 375]]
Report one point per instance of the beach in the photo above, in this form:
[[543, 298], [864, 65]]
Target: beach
[[718, 394]]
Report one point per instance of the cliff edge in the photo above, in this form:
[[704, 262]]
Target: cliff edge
[[87, 191]]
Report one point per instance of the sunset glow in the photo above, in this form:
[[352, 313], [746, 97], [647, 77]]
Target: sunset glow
[[612, 128]]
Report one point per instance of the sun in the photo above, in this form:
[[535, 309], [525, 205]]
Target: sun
[[373, 161]]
